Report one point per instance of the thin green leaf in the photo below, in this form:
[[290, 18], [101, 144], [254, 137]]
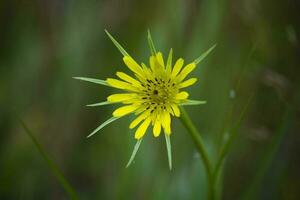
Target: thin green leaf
[[92, 80], [110, 120], [169, 149], [136, 148], [53, 167], [151, 44], [192, 103], [117, 44], [169, 61], [225, 148], [100, 104], [200, 58]]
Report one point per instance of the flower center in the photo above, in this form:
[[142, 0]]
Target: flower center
[[159, 92]]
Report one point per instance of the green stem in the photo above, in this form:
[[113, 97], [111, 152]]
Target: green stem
[[198, 141]]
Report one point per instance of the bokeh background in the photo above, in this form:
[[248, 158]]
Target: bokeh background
[[44, 43]]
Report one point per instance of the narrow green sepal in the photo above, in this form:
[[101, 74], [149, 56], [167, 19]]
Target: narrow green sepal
[[110, 120], [200, 58], [117, 44], [92, 80], [99, 104], [135, 149], [192, 103], [169, 150], [151, 44]]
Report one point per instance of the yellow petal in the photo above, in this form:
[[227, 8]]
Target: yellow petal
[[129, 79], [169, 109], [175, 110], [155, 64], [182, 95], [177, 67], [142, 108], [147, 72], [124, 110], [169, 61], [166, 122], [188, 83], [156, 129], [137, 120], [160, 59], [132, 65], [152, 62], [185, 71], [143, 78], [140, 132], [120, 84], [121, 97]]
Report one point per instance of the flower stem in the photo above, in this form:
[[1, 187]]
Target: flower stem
[[198, 141]]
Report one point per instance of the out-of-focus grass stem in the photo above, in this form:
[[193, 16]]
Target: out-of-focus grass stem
[[233, 132], [228, 120], [54, 168]]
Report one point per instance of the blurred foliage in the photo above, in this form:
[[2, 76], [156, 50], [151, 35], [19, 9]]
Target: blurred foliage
[[45, 43]]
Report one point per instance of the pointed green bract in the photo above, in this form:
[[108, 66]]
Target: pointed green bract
[[169, 150], [200, 58], [135, 149], [169, 61], [151, 44], [110, 120], [92, 80], [117, 44], [192, 103], [100, 104]]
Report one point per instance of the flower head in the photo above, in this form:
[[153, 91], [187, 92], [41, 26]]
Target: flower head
[[153, 93]]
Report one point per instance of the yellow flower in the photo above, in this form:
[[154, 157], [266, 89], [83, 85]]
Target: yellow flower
[[153, 93]]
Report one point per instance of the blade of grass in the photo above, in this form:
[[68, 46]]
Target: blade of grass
[[225, 148], [53, 167], [217, 172], [238, 84], [230, 112], [227, 123], [236, 89]]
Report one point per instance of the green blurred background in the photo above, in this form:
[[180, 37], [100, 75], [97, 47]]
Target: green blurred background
[[44, 43]]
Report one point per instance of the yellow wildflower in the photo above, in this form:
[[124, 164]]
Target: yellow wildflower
[[153, 94]]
